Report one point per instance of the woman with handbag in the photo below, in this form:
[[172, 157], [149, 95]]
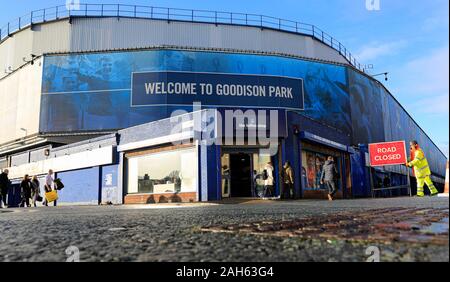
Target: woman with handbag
[[49, 187], [35, 191]]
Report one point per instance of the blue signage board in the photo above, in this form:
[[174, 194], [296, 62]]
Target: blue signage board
[[216, 89]]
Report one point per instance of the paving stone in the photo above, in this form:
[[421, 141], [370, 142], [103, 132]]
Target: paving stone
[[45, 233]]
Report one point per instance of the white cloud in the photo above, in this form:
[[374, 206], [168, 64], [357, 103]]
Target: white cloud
[[376, 50], [438, 21], [424, 79], [436, 105], [428, 75]]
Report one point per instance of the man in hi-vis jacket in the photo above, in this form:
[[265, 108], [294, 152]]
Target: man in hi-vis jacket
[[421, 170]]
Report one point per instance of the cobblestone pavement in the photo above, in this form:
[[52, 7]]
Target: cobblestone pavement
[[402, 229]]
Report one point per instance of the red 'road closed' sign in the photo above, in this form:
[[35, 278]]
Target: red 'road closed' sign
[[387, 153]]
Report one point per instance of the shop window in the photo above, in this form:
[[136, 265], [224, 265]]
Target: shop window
[[163, 172], [312, 163]]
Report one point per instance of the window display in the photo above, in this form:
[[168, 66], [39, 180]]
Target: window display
[[312, 164], [163, 172]]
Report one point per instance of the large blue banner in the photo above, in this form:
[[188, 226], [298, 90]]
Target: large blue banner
[[216, 89], [83, 92]]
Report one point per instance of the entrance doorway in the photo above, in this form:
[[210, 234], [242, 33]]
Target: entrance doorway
[[241, 175], [242, 172]]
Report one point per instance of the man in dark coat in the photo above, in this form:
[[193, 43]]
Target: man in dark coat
[[329, 172], [25, 191], [4, 186]]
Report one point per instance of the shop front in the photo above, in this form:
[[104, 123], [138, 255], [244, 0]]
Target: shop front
[[162, 174], [313, 154], [256, 142]]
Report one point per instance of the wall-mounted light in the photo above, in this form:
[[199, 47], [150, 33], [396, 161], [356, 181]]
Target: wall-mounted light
[[383, 73], [32, 59], [8, 70], [25, 130]]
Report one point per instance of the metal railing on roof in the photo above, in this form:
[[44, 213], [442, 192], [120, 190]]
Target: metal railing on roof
[[174, 14]]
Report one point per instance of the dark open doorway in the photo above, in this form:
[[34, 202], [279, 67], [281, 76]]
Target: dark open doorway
[[241, 175]]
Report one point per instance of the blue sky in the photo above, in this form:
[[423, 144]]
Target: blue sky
[[407, 38]]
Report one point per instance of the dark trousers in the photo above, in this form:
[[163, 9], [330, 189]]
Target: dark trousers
[[268, 190], [225, 190], [25, 200], [331, 187], [288, 191], [45, 203], [3, 195]]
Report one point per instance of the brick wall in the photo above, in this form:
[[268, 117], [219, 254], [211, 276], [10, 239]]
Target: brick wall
[[161, 198]]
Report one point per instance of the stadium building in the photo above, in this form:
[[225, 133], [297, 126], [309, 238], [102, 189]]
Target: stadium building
[[91, 93]]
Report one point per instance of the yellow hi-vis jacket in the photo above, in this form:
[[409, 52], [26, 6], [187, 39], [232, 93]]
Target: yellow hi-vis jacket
[[420, 163]]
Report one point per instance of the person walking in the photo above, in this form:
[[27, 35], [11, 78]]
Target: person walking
[[288, 179], [226, 180], [25, 191], [256, 177], [421, 170], [49, 186], [35, 191], [4, 186], [268, 180], [329, 173]]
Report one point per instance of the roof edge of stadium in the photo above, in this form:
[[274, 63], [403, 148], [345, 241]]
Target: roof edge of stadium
[[210, 49], [87, 10]]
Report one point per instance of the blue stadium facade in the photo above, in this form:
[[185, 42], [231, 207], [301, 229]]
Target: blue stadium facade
[[88, 102]]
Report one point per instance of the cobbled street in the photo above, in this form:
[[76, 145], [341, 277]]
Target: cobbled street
[[317, 231]]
